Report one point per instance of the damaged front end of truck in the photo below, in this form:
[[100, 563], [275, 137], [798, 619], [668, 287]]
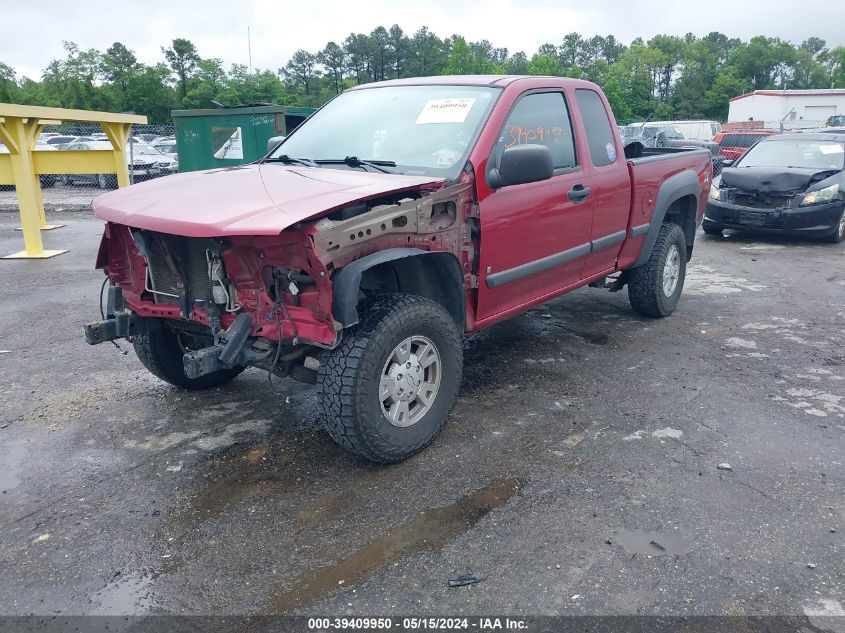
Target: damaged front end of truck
[[276, 301]]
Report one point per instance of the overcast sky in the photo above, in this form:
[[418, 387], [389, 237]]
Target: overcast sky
[[33, 32]]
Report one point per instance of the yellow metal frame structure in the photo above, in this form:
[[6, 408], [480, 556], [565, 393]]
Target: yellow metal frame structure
[[20, 127]]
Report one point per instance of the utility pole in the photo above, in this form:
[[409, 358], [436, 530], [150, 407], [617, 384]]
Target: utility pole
[[249, 48]]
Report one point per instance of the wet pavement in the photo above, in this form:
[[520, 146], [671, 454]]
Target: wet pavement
[[579, 473]]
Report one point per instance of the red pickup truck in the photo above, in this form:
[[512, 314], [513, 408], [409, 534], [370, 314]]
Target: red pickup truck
[[398, 217]]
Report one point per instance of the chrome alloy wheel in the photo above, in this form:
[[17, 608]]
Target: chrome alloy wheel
[[410, 380], [671, 270]]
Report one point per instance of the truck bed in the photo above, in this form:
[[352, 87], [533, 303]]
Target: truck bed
[[662, 170]]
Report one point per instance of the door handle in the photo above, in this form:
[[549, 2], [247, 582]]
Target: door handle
[[579, 193]]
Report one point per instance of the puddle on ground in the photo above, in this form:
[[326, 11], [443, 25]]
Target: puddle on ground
[[596, 338], [11, 466], [251, 475], [129, 595], [430, 530], [652, 543]]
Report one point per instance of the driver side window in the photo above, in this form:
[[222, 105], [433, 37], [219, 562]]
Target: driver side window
[[541, 119]]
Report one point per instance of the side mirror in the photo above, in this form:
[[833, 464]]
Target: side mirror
[[727, 162], [273, 142], [521, 164]]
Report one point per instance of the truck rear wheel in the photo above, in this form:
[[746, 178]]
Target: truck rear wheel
[[654, 288], [387, 389], [161, 349]]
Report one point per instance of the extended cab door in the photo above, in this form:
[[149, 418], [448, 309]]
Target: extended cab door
[[611, 182], [534, 236]]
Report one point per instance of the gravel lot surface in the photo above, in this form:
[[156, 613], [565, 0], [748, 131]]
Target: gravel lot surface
[[596, 462]]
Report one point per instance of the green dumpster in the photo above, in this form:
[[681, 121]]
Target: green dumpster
[[228, 136]]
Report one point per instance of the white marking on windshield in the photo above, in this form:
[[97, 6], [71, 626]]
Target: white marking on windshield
[[445, 110]]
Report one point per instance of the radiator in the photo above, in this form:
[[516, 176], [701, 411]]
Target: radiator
[[163, 282]]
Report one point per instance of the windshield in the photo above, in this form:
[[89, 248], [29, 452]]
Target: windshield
[[806, 154], [425, 130]]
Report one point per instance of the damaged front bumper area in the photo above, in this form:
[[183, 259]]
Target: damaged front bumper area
[[231, 350], [235, 347], [818, 220], [231, 302], [121, 323]]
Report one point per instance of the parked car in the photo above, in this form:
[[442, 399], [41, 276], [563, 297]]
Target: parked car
[[147, 138], [167, 145], [837, 120], [397, 217], [790, 183], [735, 144], [165, 163], [690, 129], [668, 135], [61, 140], [144, 162], [46, 180]]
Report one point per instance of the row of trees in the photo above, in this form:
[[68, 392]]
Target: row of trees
[[666, 76], [116, 81]]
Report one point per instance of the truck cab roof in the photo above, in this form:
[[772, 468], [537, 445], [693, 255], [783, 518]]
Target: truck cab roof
[[468, 80]]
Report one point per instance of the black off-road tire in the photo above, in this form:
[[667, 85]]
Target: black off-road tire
[[349, 375], [645, 283], [159, 351]]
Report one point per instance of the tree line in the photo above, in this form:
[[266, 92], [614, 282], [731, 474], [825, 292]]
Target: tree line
[[667, 76]]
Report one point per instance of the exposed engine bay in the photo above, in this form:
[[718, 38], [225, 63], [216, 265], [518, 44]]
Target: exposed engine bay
[[273, 295]]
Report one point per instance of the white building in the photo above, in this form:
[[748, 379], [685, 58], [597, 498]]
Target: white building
[[794, 108]]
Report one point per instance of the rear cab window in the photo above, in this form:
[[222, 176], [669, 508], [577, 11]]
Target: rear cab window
[[598, 127], [541, 118]]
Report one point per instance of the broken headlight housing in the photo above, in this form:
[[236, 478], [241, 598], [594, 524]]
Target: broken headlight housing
[[828, 194]]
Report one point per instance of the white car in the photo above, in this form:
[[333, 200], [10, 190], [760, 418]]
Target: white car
[[47, 180], [694, 130], [167, 146], [61, 141], [144, 162]]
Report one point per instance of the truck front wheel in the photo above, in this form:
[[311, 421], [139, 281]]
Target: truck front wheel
[[160, 349], [654, 288], [387, 389]]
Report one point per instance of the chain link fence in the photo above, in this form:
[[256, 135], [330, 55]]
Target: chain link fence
[[150, 154], [726, 141]]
